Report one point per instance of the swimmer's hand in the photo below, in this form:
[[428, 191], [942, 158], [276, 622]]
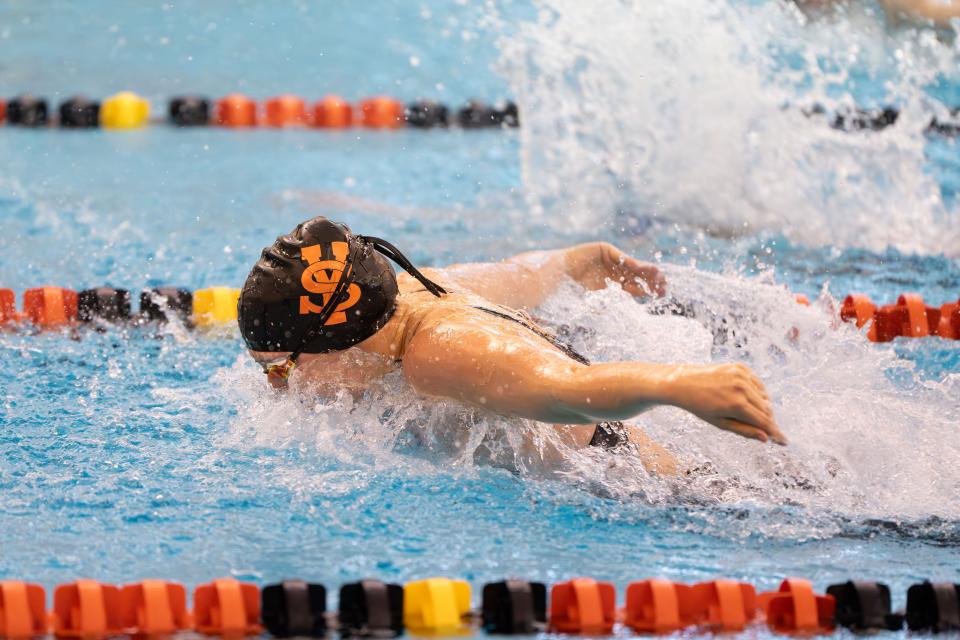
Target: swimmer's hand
[[728, 396], [595, 263]]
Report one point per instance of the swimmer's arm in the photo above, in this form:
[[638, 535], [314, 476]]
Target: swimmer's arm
[[526, 280], [940, 11], [513, 377], [652, 456]]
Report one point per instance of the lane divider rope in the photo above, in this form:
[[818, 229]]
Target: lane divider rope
[[441, 606], [854, 119], [127, 110], [56, 307]]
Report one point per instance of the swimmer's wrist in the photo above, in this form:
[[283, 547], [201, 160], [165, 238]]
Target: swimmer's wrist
[[672, 388]]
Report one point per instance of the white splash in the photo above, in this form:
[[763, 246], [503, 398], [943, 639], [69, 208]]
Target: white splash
[[689, 111]]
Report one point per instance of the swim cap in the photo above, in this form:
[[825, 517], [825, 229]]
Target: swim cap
[[320, 288]]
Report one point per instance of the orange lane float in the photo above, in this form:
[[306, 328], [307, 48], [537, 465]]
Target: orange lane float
[[155, 607], [236, 110], [859, 308], [910, 317], [285, 111], [658, 606], [662, 606], [795, 608], [382, 112], [332, 112], [949, 325], [724, 605], [227, 607], [23, 609], [86, 609], [915, 316], [50, 307], [583, 605]]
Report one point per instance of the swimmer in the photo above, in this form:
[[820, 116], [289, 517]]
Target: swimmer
[[323, 310]]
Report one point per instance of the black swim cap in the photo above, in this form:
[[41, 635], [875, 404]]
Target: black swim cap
[[320, 289]]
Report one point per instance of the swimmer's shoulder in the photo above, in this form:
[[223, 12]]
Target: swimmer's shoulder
[[414, 292], [408, 284], [423, 310]]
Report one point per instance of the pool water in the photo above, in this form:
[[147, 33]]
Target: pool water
[[138, 452]]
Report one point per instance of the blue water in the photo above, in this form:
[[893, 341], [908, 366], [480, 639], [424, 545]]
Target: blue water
[[135, 453]]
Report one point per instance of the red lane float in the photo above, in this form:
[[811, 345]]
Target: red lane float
[[795, 608], [583, 605], [236, 110], [382, 112], [285, 111], [23, 610], [50, 307], [8, 306], [332, 112], [227, 607]]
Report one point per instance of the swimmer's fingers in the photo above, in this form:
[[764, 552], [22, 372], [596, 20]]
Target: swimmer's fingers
[[636, 277], [741, 429], [749, 409], [763, 420], [760, 403], [758, 409], [640, 278], [751, 379]]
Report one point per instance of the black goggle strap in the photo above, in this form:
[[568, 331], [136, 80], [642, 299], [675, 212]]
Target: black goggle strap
[[279, 373], [394, 254]]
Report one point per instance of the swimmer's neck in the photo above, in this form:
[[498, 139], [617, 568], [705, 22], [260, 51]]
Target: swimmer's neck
[[391, 341]]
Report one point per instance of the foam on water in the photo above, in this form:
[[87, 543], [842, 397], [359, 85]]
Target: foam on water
[[691, 111]]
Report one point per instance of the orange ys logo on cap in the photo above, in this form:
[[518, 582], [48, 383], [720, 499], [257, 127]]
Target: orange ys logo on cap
[[321, 277]]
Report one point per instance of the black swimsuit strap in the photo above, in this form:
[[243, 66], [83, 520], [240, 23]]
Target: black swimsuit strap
[[566, 348]]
